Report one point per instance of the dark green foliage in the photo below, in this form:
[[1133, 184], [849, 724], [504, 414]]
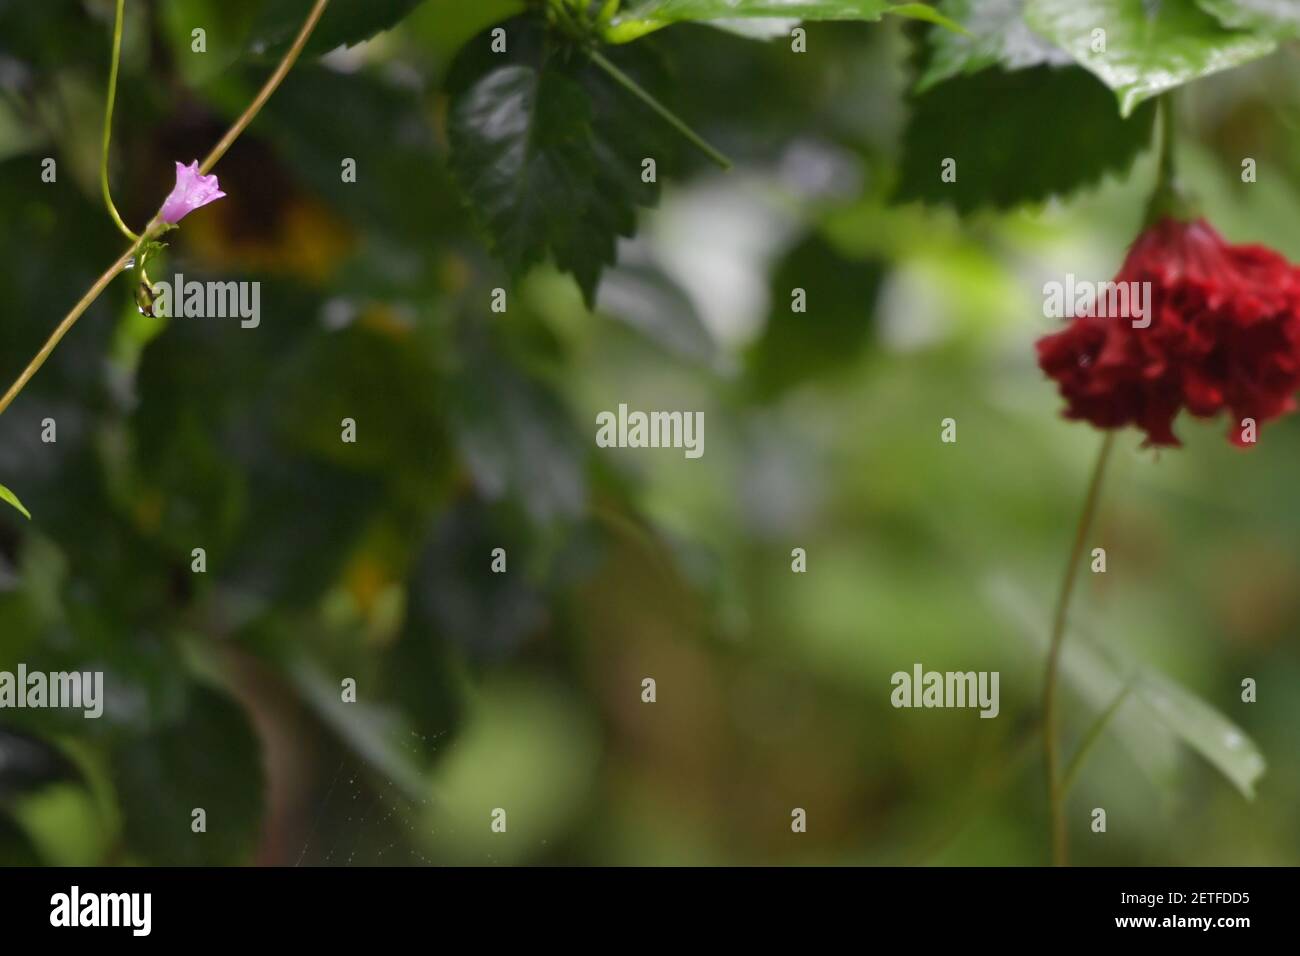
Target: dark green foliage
[[344, 23], [549, 150], [799, 347], [331, 561], [27, 764], [209, 759], [1017, 137]]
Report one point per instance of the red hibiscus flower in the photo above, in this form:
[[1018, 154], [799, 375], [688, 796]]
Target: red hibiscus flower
[[1222, 332]]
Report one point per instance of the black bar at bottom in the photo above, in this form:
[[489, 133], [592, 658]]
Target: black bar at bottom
[[341, 905]]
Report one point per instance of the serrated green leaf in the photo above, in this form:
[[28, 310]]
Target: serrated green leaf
[[995, 35], [1276, 18], [548, 150], [344, 23], [650, 15], [1011, 139], [521, 142], [1147, 48], [11, 498]]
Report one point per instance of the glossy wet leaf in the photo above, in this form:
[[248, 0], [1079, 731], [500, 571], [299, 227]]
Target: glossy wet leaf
[[996, 35], [757, 29], [1148, 48], [1276, 18], [640, 18], [549, 152]]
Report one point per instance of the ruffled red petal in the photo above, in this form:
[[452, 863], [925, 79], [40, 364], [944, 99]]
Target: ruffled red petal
[[1224, 336]]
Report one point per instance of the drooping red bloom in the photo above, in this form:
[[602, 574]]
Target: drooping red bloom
[[1223, 334]]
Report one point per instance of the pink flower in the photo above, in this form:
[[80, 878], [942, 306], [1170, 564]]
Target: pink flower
[[192, 190]]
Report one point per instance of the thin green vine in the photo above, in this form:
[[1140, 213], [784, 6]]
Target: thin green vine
[[156, 227], [1051, 744], [671, 118], [574, 20], [108, 124]]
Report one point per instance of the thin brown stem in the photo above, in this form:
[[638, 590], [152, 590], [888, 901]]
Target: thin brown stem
[[1055, 789], [155, 227], [68, 322], [268, 88]]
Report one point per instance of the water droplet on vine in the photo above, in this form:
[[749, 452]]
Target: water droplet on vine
[[144, 299]]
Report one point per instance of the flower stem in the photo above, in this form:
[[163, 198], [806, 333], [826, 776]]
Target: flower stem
[[1091, 737], [1168, 199], [1055, 780], [68, 321], [271, 85], [1168, 133], [108, 124], [155, 227], [671, 118]]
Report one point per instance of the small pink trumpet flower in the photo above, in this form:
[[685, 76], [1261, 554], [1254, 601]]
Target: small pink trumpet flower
[[192, 190]]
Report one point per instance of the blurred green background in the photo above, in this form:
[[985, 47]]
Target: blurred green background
[[522, 690]]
